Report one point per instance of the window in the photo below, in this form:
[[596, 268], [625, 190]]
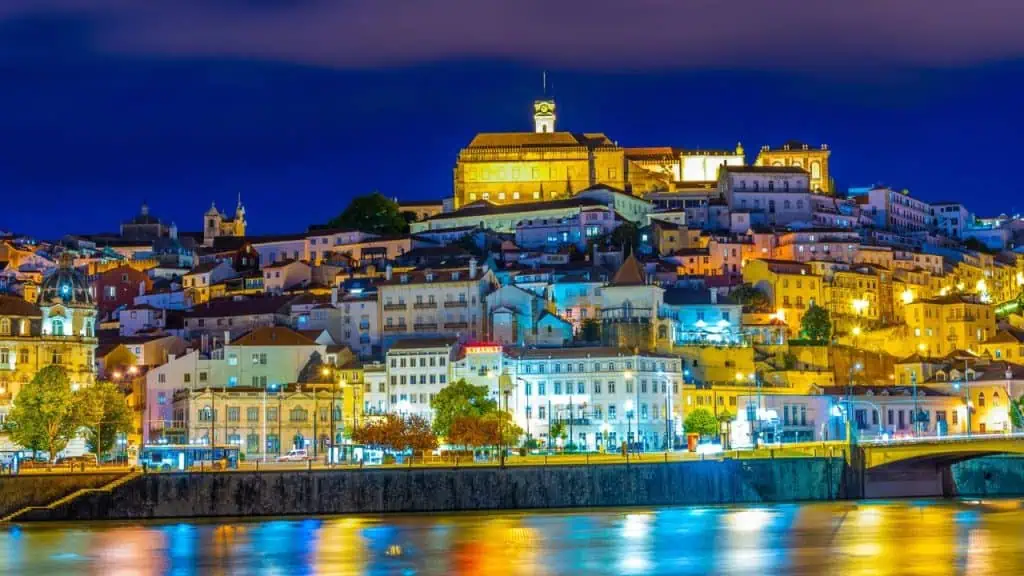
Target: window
[[56, 357], [252, 414], [298, 414], [202, 376], [541, 412], [5, 326], [5, 357], [234, 414], [206, 414]]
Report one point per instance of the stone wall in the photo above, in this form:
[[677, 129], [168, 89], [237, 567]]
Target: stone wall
[[17, 492], [990, 476], [370, 490]]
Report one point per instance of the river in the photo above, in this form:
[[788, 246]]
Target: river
[[902, 537]]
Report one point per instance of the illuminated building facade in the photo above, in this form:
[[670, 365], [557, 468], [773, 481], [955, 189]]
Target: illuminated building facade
[[518, 167], [60, 330], [799, 155]]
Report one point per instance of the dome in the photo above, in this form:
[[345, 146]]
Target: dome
[[66, 285]]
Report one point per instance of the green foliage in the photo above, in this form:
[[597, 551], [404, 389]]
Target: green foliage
[[45, 414], [752, 299], [557, 430], [374, 213], [701, 421], [816, 325], [590, 330], [625, 235], [460, 399], [1017, 413], [725, 416], [103, 410]]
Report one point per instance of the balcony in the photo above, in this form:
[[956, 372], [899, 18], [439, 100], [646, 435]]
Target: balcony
[[456, 325], [399, 306], [576, 421], [394, 328], [456, 304], [425, 326], [425, 305]]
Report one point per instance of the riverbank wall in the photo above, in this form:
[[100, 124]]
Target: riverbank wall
[[990, 476], [396, 490], [17, 492]]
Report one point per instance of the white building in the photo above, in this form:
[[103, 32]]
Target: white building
[[285, 275], [573, 230], [603, 396], [141, 318], [434, 302], [950, 219], [771, 195], [894, 210], [264, 358], [417, 369]]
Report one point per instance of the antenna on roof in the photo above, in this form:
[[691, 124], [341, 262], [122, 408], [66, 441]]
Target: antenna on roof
[[544, 75]]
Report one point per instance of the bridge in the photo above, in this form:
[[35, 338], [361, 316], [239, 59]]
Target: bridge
[[916, 467], [945, 449]]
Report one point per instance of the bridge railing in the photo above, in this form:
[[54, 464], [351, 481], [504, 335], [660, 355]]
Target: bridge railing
[[952, 439]]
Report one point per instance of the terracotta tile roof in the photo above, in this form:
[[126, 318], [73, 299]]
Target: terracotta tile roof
[[538, 139], [409, 343], [230, 307], [13, 306], [631, 273], [273, 336]]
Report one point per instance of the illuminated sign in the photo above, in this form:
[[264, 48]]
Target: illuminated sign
[[483, 348]]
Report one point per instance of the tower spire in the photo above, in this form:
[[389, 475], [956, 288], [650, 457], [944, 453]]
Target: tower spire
[[545, 82]]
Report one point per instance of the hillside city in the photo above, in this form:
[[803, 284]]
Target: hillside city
[[580, 294]]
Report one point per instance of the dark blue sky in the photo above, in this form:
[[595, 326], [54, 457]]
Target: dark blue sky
[[86, 135]]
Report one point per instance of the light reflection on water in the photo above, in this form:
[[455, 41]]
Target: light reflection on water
[[877, 538]]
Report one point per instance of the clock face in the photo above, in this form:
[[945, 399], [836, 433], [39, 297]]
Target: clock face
[[543, 107]]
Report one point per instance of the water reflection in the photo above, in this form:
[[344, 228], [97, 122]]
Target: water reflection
[[877, 538]]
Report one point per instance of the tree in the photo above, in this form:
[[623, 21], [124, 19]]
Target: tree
[[556, 430], [724, 417], [374, 213], [460, 398], [416, 435], [590, 330], [624, 236], [466, 431], [385, 433], [816, 325], [702, 422], [500, 429], [1017, 412], [752, 299], [105, 414], [45, 414]]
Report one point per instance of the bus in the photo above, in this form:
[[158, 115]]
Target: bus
[[180, 457]]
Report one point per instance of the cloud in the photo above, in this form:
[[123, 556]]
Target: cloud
[[584, 34]]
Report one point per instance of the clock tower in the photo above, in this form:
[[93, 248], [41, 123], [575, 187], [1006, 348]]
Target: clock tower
[[544, 116]]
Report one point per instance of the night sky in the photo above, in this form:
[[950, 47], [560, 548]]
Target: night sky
[[299, 106]]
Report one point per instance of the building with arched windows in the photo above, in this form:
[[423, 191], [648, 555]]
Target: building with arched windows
[[59, 330]]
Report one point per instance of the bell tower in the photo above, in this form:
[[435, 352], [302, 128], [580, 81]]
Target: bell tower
[[544, 115]]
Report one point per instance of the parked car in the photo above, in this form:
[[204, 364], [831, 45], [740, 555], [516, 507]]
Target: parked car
[[88, 459], [298, 455]]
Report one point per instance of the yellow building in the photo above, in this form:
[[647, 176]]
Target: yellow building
[[793, 153], [938, 326], [1005, 345], [59, 330], [517, 167], [790, 287]]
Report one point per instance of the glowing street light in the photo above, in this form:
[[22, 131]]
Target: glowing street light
[[856, 330], [859, 305], [907, 296]]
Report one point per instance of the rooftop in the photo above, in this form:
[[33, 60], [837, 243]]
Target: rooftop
[[274, 336]]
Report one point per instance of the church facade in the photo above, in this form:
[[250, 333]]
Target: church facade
[[59, 330], [518, 167], [217, 224]]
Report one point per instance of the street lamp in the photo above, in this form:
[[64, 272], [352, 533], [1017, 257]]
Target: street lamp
[[604, 434], [849, 399], [629, 427]]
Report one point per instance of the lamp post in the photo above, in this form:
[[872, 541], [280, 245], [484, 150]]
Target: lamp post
[[628, 377], [849, 400], [629, 426]]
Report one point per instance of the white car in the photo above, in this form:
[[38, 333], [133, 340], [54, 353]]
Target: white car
[[300, 455]]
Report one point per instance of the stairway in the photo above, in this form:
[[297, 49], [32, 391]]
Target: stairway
[[71, 497]]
